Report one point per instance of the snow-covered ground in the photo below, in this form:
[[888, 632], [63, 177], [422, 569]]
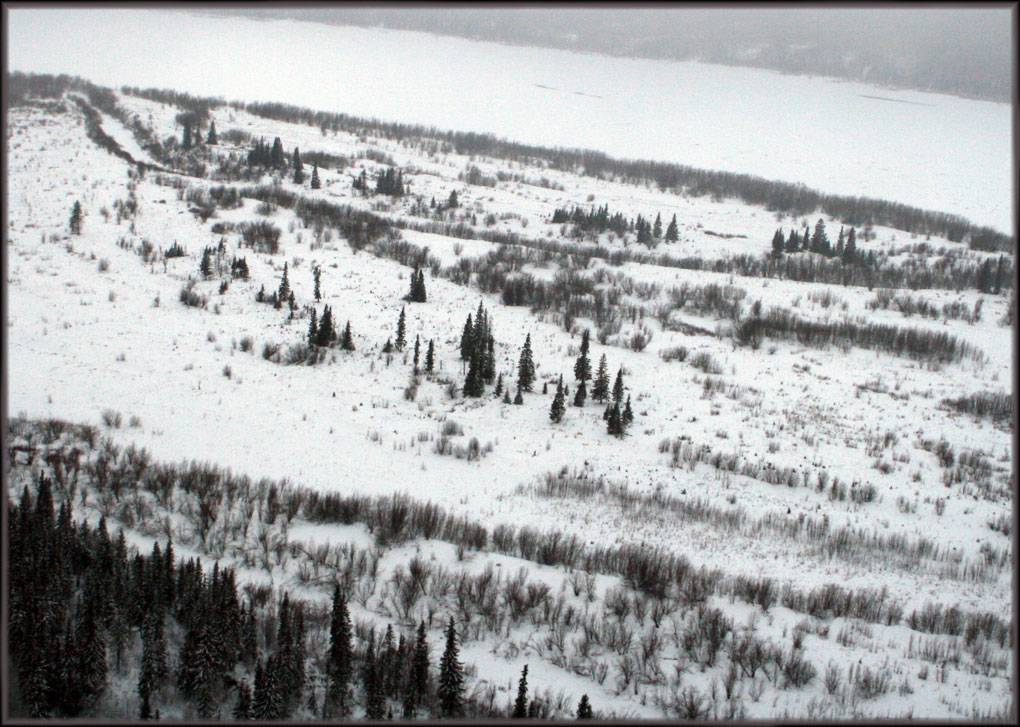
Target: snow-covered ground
[[844, 138], [86, 336]]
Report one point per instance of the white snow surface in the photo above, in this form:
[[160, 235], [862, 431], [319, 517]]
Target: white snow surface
[[928, 150]]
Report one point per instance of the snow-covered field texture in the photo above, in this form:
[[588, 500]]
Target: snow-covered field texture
[[933, 151], [809, 515]]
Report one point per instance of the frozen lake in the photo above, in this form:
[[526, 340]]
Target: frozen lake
[[936, 152]]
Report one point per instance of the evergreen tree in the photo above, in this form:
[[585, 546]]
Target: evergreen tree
[[317, 274], [418, 684], [499, 386], [474, 383], [489, 360], [205, 267], [582, 367], [526, 367], [600, 389], [557, 409], [374, 700], [401, 330], [672, 233], [299, 169], [614, 422], [518, 398], [388, 347], [338, 659], [211, 138], [347, 342], [417, 351], [584, 708], [430, 357], [506, 396], [778, 244], [316, 183], [452, 202], [627, 416], [521, 703], [1000, 274], [243, 707], [451, 677], [618, 387], [284, 291], [276, 157], [841, 242], [76, 217], [186, 140], [581, 395], [850, 251], [326, 333], [657, 227], [466, 338]]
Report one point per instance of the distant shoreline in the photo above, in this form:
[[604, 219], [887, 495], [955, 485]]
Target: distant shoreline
[[895, 100]]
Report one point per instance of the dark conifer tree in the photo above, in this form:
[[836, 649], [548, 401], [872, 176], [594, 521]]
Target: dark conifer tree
[[778, 244], [313, 329], [618, 387], [614, 422], [388, 347], [489, 360], [499, 386], [417, 351], [518, 398], [338, 659], [205, 267], [276, 156], [243, 707], [672, 232], [600, 389], [186, 140], [401, 330], [451, 676], [466, 338], [474, 383], [526, 367], [521, 703], [1000, 274], [581, 395], [316, 182], [850, 251], [317, 274], [584, 708], [211, 138], [374, 700], [452, 201], [299, 168], [657, 227], [418, 683], [430, 357], [627, 416], [283, 293], [582, 367], [347, 342], [76, 217], [558, 408], [326, 333]]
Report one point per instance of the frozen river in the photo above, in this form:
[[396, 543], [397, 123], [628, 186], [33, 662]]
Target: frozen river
[[936, 152]]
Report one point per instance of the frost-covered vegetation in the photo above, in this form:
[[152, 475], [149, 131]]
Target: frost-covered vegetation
[[664, 450]]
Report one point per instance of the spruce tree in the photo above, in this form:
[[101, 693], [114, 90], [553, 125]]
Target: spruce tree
[[418, 683], [417, 351], [778, 244], [618, 387], [614, 424], [313, 329], [374, 701], [521, 703], [205, 267], [186, 137], [283, 293], [627, 416], [211, 138], [581, 395], [850, 251], [466, 338], [451, 676], [243, 707], [347, 342], [299, 168], [326, 333], [316, 183], [600, 389], [526, 367], [582, 367], [518, 398], [584, 708], [401, 330], [657, 227], [499, 387], [76, 217], [557, 409], [317, 274], [489, 360], [338, 659], [672, 232], [430, 357], [276, 157]]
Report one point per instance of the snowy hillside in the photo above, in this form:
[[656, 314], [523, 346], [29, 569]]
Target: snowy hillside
[[756, 453]]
